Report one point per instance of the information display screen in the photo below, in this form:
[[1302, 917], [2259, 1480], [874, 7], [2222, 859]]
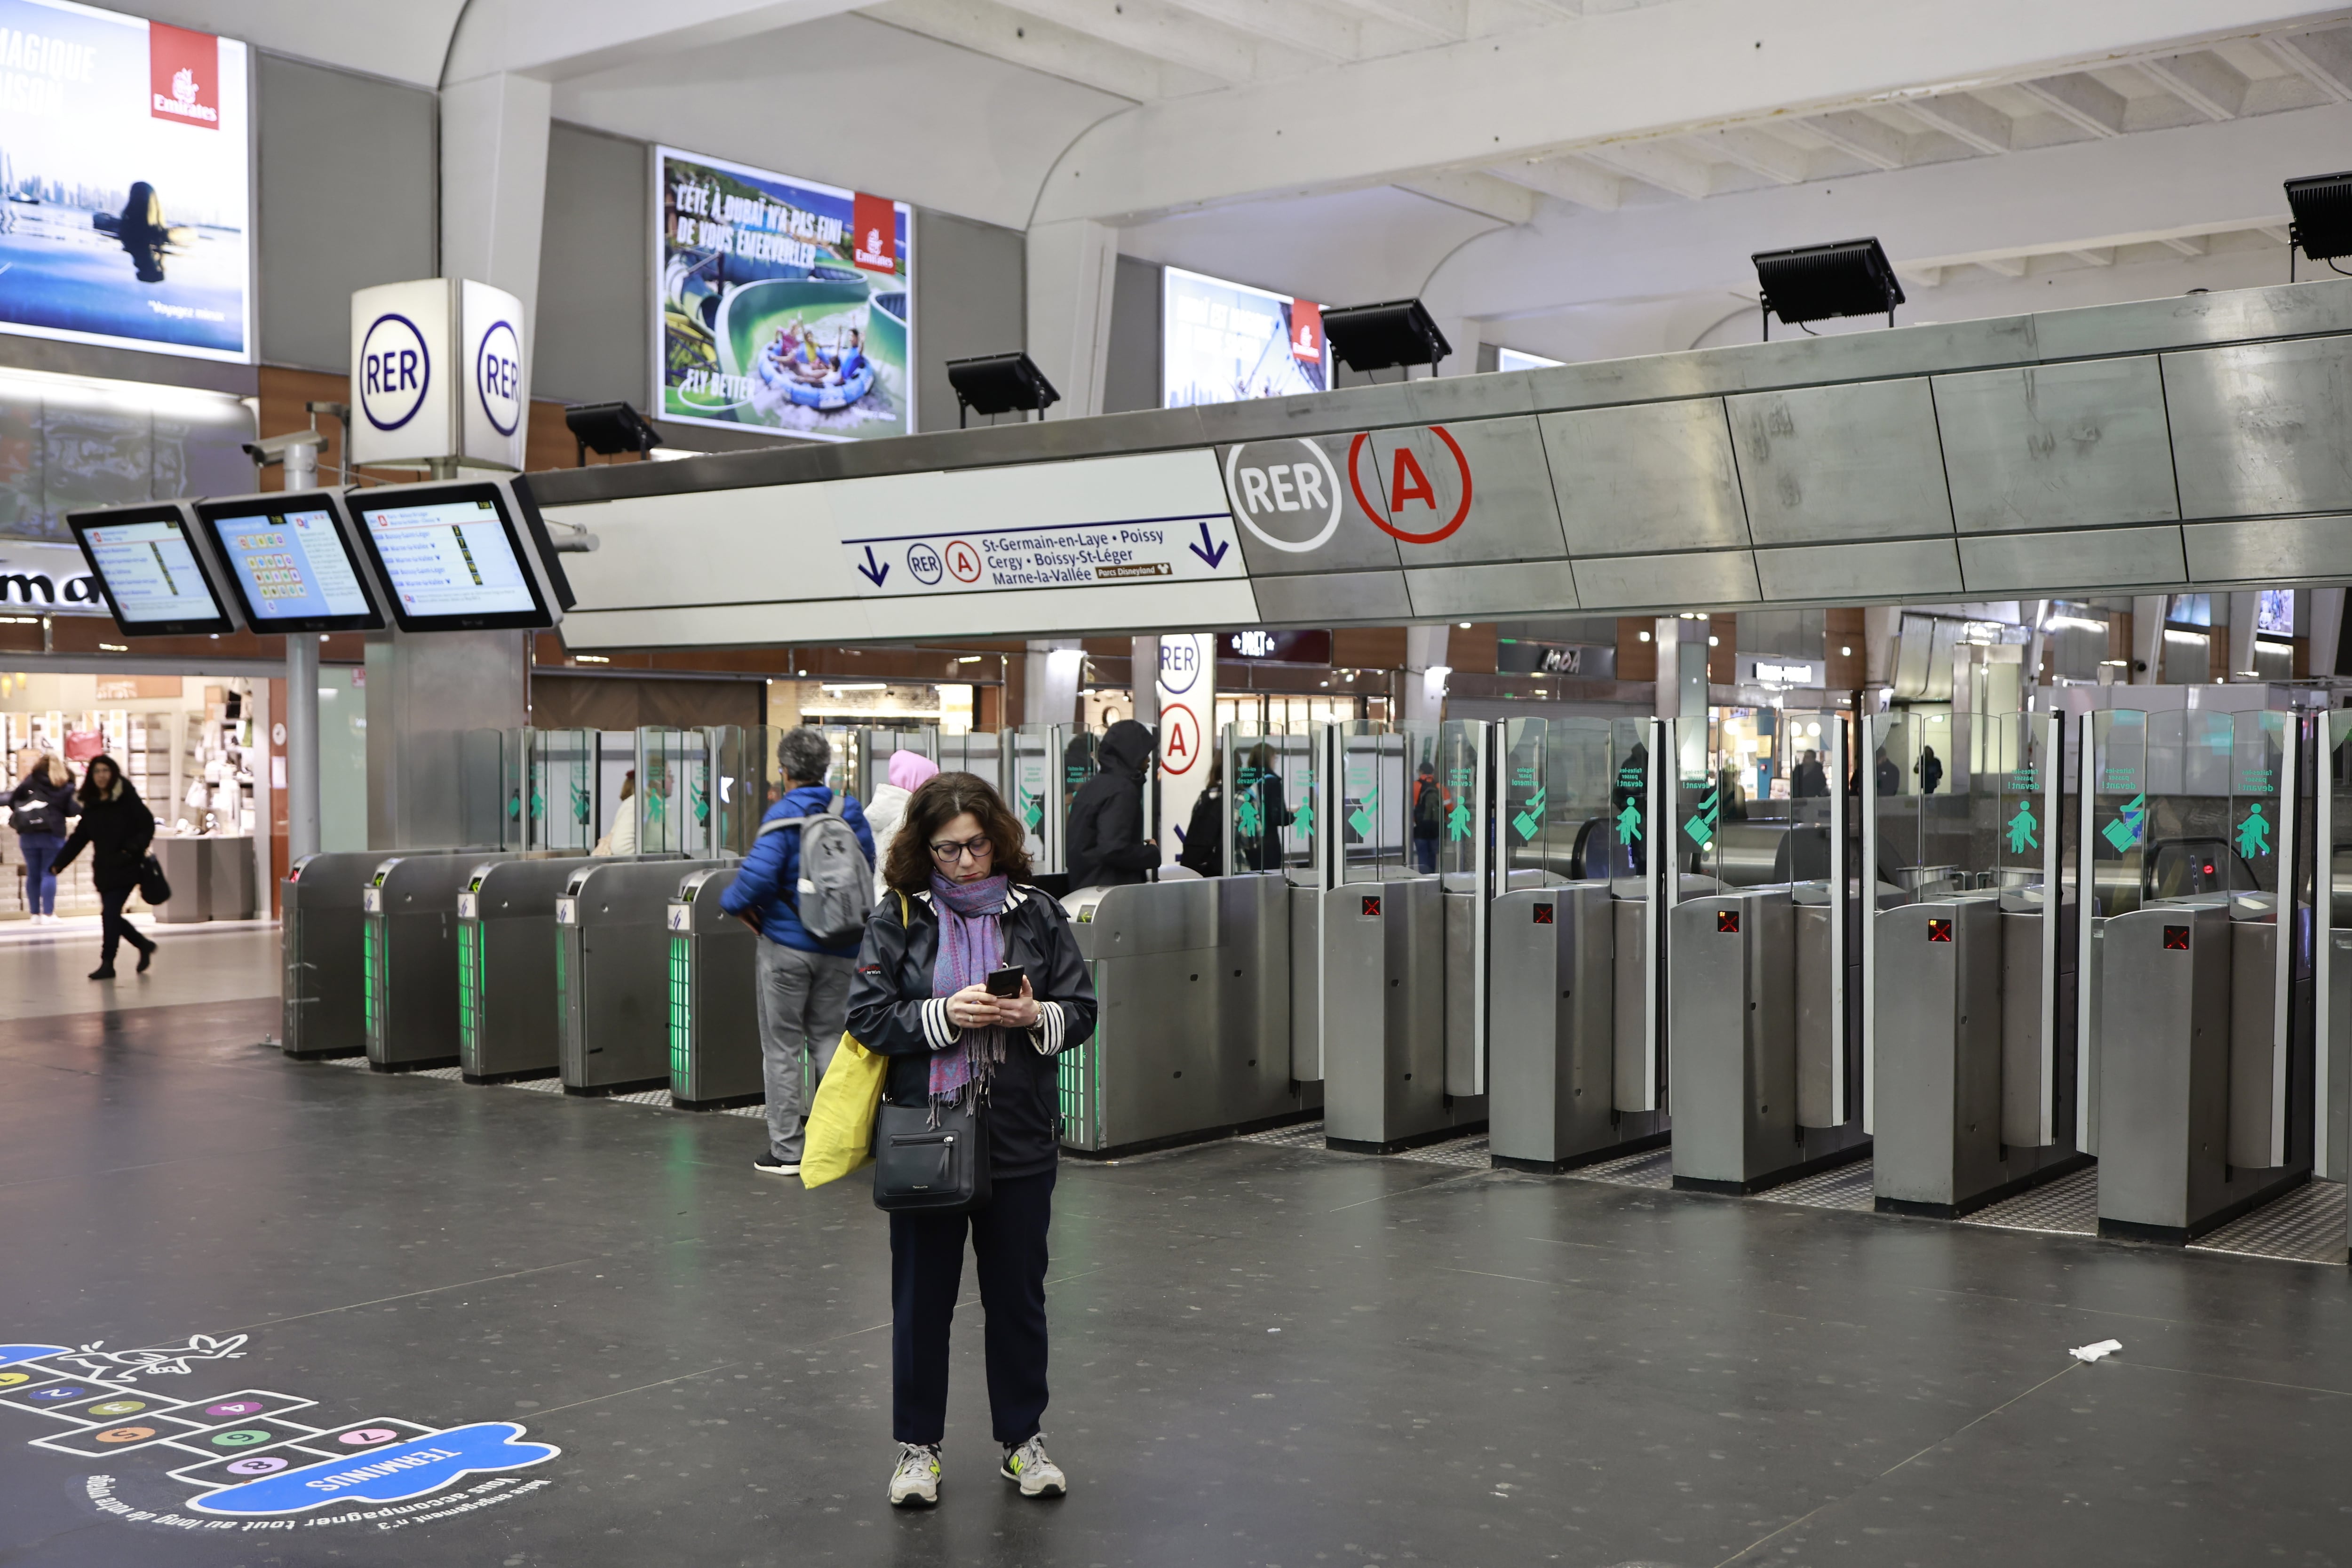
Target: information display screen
[[290, 565], [147, 566], [452, 560]]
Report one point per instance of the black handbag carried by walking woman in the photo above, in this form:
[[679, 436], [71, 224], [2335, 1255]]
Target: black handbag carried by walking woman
[[154, 886], [923, 1169]]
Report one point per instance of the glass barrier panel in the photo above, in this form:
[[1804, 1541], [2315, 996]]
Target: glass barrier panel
[[1033, 794], [484, 776], [559, 806], [2119, 768]]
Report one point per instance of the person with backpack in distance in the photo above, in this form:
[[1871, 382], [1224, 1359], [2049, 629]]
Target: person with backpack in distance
[[969, 985], [38, 809], [806, 888], [1430, 804]]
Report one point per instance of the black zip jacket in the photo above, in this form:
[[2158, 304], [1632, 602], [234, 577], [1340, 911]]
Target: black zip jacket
[[1107, 847], [893, 1012], [48, 804], [118, 831]]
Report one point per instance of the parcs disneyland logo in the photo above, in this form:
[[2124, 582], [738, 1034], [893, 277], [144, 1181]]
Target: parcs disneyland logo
[[241, 1459]]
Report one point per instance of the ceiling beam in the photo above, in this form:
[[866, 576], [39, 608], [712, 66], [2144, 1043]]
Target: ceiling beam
[[2100, 256], [1758, 152], [2204, 82], [1161, 31], [1569, 179], [1570, 85], [1656, 164], [557, 40], [2186, 244], [2083, 102], [1439, 21], [1473, 192], [1294, 23], [987, 28], [2323, 60], [2006, 266], [1964, 118], [1859, 136]]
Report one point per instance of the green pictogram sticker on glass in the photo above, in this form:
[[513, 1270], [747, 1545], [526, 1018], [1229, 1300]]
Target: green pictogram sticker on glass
[[1303, 819], [2256, 781], [2021, 780], [1033, 811], [2021, 829], [1363, 818], [580, 803], [2253, 834], [1246, 819], [702, 803], [2125, 830], [1457, 821], [1701, 826], [1529, 821], [1629, 824]]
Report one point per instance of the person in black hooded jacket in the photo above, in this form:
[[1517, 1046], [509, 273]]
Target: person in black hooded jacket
[[1108, 848], [116, 827]]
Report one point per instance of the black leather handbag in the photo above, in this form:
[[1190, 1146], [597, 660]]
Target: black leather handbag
[[923, 1169], [154, 886]]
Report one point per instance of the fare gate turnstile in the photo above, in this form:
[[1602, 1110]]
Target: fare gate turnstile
[[409, 959], [1970, 1081], [2196, 1088], [319, 943], [1193, 984], [611, 973], [508, 1025], [714, 1011]]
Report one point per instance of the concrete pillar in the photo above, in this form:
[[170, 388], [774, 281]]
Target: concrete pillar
[[494, 182], [2323, 623], [2244, 608], [1071, 267], [1425, 670], [1143, 676], [2148, 639], [424, 694], [1186, 699], [1049, 693], [1881, 625]]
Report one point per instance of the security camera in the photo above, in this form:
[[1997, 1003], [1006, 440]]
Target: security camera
[[273, 449]]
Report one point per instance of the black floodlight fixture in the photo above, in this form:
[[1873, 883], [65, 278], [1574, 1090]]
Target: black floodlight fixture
[[999, 384], [1817, 282], [1366, 338], [2322, 229], [610, 429]]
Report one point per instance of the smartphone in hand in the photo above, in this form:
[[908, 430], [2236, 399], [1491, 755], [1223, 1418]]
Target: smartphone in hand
[[1006, 982]]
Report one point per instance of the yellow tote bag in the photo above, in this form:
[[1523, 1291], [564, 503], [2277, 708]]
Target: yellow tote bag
[[840, 1134]]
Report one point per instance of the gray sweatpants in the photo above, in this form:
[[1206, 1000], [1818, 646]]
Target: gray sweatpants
[[804, 999]]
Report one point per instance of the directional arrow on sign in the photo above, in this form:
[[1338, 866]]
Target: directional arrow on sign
[[1209, 549], [873, 572]]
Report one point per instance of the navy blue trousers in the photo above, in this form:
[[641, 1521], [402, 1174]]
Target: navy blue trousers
[[1008, 1243]]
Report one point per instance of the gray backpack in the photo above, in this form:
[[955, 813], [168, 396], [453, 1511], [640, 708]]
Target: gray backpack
[[837, 887]]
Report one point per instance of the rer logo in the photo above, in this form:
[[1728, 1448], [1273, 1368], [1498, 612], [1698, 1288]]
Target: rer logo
[[1285, 492], [1179, 663], [498, 377], [395, 371]]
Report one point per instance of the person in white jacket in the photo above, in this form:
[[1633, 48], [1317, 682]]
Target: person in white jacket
[[909, 771], [622, 841]]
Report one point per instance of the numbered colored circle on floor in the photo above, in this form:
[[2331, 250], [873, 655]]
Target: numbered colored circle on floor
[[365, 1436], [260, 1465], [10, 1379], [127, 1435], [229, 1409], [240, 1439], [52, 1394], [118, 1408]]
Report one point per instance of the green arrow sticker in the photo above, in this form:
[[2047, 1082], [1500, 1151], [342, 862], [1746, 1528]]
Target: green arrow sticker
[[2125, 830]]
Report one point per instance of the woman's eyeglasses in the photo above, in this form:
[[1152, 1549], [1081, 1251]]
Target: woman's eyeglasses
[[950, 852]]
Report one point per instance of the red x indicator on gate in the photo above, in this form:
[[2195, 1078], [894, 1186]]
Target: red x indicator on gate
[[1939, 931], [2175, 939], [1543, 914], [1371, 907], [1727, 921]]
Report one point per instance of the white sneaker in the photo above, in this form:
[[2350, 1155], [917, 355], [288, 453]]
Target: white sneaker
[[1036, 1475], [916, 1482]]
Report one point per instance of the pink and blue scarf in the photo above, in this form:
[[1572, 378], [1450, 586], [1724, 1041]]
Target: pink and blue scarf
[[971, 946]]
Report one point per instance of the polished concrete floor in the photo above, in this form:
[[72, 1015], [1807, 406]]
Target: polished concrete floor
[[1262, 1355]]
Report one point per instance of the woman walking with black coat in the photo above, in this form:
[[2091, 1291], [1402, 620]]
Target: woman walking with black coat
[[958, 909], [116, 827]]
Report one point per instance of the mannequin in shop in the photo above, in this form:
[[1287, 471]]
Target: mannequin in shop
[[38, 809]]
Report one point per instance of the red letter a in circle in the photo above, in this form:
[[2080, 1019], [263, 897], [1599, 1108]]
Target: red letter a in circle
[[1407, 482]]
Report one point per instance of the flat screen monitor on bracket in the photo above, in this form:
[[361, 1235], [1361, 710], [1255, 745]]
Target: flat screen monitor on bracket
[[152, 564], [463, 556], [290, 561]]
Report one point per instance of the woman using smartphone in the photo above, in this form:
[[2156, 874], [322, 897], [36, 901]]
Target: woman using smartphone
[[922, 997]]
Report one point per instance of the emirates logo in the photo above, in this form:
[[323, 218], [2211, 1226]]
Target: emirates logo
[[183, 87], [874, 241]]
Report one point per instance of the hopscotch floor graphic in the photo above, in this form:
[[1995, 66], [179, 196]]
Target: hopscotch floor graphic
[[249, 1458]]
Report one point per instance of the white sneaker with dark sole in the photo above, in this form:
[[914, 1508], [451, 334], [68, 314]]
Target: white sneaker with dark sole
[[916, 1482], [769, 1165], [1038, 1476]]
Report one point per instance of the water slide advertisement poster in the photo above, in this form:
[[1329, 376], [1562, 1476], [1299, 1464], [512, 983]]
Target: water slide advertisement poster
[[125, 183], [785, 306], [1223, 342]]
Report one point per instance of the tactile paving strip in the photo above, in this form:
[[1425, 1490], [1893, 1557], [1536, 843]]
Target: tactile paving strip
[[1650, 1168], [660, 1099], [2305, 1226], [2068, 1205], [1300, 1135], [1469, 1152], [1840, 1187]]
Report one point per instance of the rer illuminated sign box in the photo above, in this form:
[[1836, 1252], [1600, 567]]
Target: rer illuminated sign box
[[151, 565], [125, 183], [290, 560], [471, 556], [439, 369]]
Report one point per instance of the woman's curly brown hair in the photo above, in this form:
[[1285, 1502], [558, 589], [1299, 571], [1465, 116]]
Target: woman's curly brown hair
[[908, 865]]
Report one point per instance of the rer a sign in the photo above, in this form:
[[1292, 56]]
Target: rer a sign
[[439, 371]]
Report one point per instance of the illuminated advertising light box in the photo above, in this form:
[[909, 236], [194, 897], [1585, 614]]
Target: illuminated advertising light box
[[150, 563], [1223, 342], [463, 557], [784, 305], [125, 183], [290, 560]]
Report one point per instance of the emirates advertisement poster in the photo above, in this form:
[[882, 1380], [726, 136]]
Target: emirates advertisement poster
[[1223, 342], [785, 306], [125, 183]]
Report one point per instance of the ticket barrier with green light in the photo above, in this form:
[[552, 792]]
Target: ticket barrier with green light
[[508, 1023], [1970, 975], [408, 941], [1191, 1039], [2198, 1094], [324, 988], [611, 973], [714, 1013]]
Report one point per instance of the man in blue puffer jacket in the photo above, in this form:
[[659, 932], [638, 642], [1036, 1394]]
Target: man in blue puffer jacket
[[804, 983]]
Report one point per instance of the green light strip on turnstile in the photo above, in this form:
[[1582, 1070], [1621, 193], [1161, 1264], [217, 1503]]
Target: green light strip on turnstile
[[562, 979], [681, 1008], [371, 983], [469, 991]]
